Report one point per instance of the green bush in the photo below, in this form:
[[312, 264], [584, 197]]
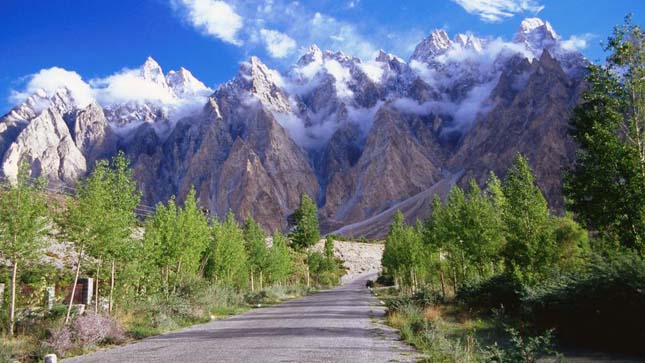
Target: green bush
[[427, 297], [500, 291], [521, 349], [601, 307]]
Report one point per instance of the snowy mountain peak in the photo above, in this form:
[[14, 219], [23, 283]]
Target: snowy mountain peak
[[151, 71], [387, 57], [536, 33], [257, 80], [312, 55], [468, 41], [435, 44], [183, 83]]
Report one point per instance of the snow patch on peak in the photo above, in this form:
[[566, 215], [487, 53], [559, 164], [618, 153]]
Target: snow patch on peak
[[312, 55], [437, 43], [468, 41], [184, 84], [151, 71], [536, 33]]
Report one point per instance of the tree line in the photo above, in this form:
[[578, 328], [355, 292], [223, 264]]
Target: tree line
[[179, 242]]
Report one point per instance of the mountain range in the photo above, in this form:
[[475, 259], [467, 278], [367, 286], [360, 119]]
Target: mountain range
[[363, 138]]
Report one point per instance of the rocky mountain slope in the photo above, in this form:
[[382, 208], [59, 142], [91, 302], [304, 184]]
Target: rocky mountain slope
[[360, 137]]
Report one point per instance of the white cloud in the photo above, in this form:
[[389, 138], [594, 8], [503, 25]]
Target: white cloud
[[576, 42], [52, 79], [213, 17], [278, 44], [498, 10], [124, 87], [128, 86]]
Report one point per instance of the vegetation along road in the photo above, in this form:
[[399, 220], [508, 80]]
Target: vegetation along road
[[339, 325]]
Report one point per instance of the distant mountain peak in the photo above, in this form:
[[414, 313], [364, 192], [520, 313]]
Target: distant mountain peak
[[151, 71], [435, 44], [536, 33], [313, 54]]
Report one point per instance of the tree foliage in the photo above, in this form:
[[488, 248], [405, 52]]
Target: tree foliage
[[307, 231], [606, 186]]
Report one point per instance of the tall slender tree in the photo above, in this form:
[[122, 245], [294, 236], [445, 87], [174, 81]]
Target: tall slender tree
[[100, 218], [307, 231], [530, 244], [23, 221], [280, 262], [228, 261], [256, 248]]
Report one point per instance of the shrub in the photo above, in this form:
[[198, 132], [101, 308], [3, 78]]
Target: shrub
[[91, 329], [61, 340], [521, 349], [427, 297], [500, 291], [385, 280], [600, 307]]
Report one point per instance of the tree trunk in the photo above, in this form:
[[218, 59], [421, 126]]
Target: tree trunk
[[308, 277], [443, 283], [112, 287], [454, 281], [96, 291], [166, 273], [71, 300], [12, 303], [261, 287], [252, 286]]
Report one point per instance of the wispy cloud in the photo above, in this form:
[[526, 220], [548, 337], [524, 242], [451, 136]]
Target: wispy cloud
[[577, 42], [278, 26], [497, 10], [212, 17], [278, 44]]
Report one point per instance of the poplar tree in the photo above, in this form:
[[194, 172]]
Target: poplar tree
[[228, 261], [256, 248], [280, 264], [160, 242], [100, 218], [530, 244], [23, 222], [307, 232], [193, 235]]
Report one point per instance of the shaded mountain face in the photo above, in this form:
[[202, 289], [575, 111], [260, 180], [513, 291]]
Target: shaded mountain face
[[361, 138]]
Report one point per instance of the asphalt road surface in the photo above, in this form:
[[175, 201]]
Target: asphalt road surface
[[339, 325]]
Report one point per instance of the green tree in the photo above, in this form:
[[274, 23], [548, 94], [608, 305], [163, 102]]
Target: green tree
[[23, 223], [307, 231], [124, 197], [227, 258], [606, 186], [100, 218], [330, 261], [256, 248], [194, 235], [160, 245], [403, 256], [280, 262], [482, 230], [530, 244], [572, 241]]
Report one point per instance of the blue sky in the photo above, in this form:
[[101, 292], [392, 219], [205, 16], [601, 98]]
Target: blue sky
[[97, 38]]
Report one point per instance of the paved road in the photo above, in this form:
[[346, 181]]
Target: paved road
[[339, 325]]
